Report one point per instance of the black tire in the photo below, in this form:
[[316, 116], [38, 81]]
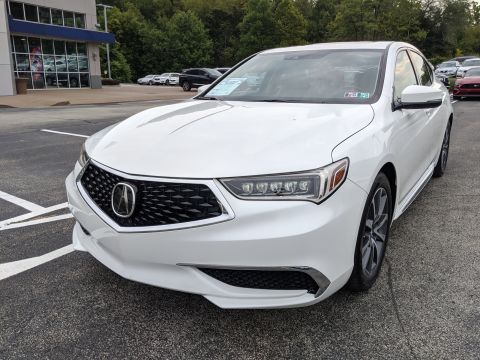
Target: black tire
[[186, 86], [441, 165], [49, 81], [457, 97], [150, 82], [74, 83], [167, 82], [363, 277]]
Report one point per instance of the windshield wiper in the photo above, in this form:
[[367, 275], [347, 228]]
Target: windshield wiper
[[206, 98]]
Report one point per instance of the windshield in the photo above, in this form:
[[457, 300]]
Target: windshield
[[320, 76], [447, 64], [472, 63], [473, 72]]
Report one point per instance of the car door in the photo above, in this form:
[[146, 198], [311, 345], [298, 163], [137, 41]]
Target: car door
[[204, 77], [410, 141], [435, 121]]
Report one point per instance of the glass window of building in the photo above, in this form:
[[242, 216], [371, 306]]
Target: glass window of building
[[21, 44], [47, 46], [16, 10], [68, 19], [47, 63], [57, 18], [22, 62], [31, 12], [59, 47], [71, 48], [80, 21], [44, 14], [82, 49]]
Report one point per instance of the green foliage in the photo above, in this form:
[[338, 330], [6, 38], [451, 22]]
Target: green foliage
[[155, 36], [258, 29], [188, 44], [290, 23], [118, 64]]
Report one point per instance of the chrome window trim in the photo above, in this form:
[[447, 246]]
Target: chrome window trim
[[227, 215], [321, 280]]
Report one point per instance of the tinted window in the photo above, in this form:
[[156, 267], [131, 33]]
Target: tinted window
[[31, 13], [57, 17], [80, 21], [82, 49], [422, 69], [404, 74], [44, 15], [21, 44], [47, 46], [59, 47], [68, 19], [16, 10]]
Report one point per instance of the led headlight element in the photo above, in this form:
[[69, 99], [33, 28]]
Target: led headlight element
[[315, 185], [83, 159]]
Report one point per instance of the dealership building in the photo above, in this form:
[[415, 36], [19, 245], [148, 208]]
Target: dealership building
[[51, 43]]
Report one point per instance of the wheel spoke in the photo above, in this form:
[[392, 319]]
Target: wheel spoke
[[382, 219], [366, 256], [382, 203]]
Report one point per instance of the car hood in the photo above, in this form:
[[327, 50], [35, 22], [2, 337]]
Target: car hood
[[212, 139], [446, 69], [469, 80]]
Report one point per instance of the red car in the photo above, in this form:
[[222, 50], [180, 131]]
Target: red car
[[469, 85]]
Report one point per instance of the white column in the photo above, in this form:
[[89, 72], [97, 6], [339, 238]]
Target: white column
[[7, 79]]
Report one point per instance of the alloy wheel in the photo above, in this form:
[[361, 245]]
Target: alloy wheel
[[375, 232]]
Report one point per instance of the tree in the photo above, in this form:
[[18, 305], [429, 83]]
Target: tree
[[290, 23], [258, 29], [188, 44], [118, 64]]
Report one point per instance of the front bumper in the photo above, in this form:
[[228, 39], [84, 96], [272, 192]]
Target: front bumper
[[466, 91], [262, 234]]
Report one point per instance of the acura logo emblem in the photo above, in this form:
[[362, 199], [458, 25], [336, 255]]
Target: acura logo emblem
[[123, 199]]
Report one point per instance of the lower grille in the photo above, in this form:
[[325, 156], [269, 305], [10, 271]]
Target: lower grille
[[157, 203], [267, 280], [471, 86]]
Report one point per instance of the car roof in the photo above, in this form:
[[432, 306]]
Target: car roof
[[376, 45], [472, 59]]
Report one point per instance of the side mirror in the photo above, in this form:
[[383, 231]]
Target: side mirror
[[202, 88], [419, 97]]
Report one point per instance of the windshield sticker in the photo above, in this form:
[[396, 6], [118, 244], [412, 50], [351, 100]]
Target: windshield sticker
[[356, 94], [226, 87]]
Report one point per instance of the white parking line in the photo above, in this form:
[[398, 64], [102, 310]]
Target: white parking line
[[454, 101], [36, 222], [64, 133], [20, 202], [33, 214], [16, 267]]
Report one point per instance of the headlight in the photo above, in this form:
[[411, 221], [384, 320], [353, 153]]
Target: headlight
[[83, 159], [315, 185]]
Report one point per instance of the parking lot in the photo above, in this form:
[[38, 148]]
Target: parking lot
[[57, 303]]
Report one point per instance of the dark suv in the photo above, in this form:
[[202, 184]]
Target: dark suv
[[194, 78]]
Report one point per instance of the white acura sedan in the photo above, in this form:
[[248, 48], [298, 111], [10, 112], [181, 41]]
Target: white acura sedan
[[274, 187]]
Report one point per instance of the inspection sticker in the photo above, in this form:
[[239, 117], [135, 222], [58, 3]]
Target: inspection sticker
[[356, 94], [226, 87]]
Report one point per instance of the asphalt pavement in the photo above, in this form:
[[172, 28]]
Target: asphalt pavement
[[425, 304]]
